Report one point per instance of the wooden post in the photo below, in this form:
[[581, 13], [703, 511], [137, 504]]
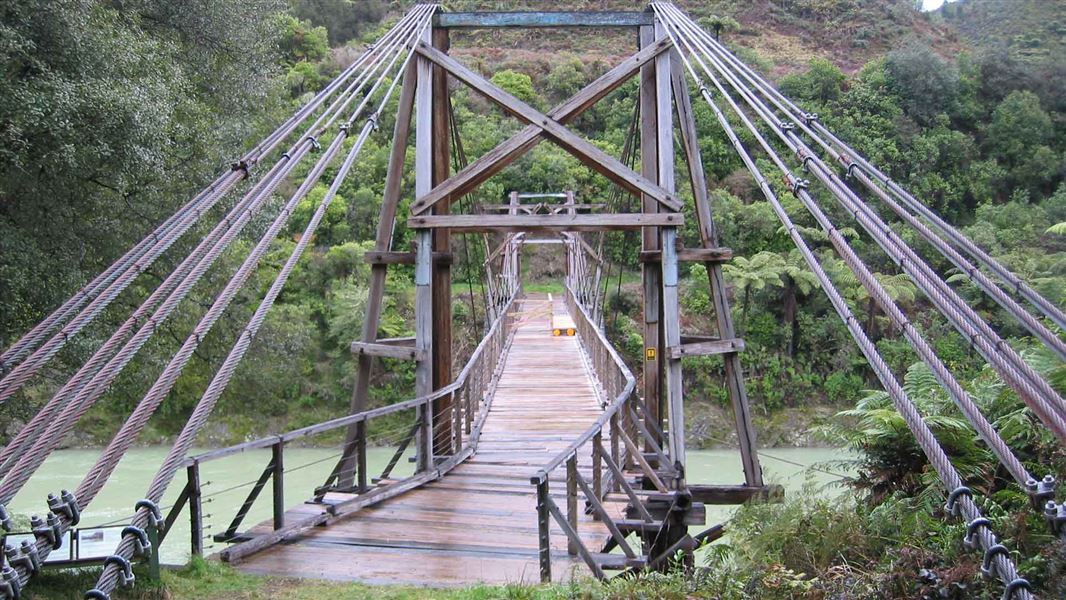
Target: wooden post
[[354, 457], [734, 373], [597, 465], [544, 531], [616, 438], [671, 317], [153, 557], [651, 274], [571, 500], [424, 261], [442, 274], [196, 515], [277, 480]]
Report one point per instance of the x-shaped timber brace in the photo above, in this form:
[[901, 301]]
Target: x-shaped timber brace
[[663, 93]]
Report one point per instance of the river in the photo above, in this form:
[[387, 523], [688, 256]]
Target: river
[[226, 483]]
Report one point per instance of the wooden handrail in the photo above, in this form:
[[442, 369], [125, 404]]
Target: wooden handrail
[[366, 415]]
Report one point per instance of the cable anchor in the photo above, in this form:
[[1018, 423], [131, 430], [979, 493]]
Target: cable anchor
[[29, 559], [140, 540], [11, 586], [48, 530], [987, 568], [1041, 491], [240, 165], [67, 505], [970, 541], [1014, 586], [1055, 514], [95, 594], [952, 503], [126, 576], [155, 516], [5, 519]]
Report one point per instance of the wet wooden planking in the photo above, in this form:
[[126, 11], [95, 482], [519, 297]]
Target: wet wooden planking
[[478, 523]]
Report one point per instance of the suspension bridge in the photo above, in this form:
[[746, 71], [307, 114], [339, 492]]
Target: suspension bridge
[[543, 455]]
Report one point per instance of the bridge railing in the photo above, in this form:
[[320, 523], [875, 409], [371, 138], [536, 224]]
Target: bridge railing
[[623, 426], [471, 392]]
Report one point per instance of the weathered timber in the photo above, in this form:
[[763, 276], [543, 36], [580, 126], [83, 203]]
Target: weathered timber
[[581, 148], [734, 494], [481, 20], [479, 223], [385, 350], [385, 257], [711, 348], [703, 255]]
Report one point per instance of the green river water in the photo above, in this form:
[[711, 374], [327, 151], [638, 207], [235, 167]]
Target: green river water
[[226, 483]]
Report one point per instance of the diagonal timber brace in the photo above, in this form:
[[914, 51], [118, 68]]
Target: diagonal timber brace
[[517, 145]]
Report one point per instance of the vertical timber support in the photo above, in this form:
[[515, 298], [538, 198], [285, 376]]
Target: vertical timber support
[[424, 262], [651, 273], [277, 480], [671, 317], [354, 453], [442, 272], [734, 372], [196, 514]]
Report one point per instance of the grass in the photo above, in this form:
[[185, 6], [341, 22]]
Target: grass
[[210, 580]]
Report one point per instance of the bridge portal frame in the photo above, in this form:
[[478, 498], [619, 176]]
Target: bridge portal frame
[[664, 96]]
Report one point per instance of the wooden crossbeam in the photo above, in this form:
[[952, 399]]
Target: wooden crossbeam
[[709, 348], [385, 257], [596, 159], [514, 147], [385, 350], [734, 494], [690, 255], [478, 223], [481, 20]]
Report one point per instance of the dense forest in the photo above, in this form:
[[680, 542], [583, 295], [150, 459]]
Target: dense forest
[[113, 114]]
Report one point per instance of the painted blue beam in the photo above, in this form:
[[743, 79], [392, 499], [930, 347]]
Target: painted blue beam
[[470, 20]]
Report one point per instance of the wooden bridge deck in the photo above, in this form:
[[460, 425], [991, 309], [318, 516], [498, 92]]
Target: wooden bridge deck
[[479, 522]]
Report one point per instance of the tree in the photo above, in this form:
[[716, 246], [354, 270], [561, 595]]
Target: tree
[[517, 84], [301, 41], [798, 281], [753, 274], [822, 83], [925, 84], [717, 24], [345, 19]]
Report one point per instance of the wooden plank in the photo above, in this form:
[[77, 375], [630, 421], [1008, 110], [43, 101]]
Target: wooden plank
[[703, 255], [581, 148], [707, 348], [475, 20], [385, 257], [604, 222], [734, 494], [385, 350]]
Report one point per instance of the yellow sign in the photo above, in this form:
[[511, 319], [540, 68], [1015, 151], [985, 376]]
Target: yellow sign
[[649, 353]]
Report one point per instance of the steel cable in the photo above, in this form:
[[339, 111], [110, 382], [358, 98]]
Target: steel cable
[[105, 287], [962, 503], [257, 197], [109, 578], [800, 119], [1034, 390]]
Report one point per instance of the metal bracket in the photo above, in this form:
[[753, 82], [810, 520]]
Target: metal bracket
[[144, 546], [155, 516], [126, 576], [951, 504], [67, 505]]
